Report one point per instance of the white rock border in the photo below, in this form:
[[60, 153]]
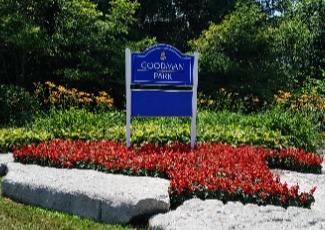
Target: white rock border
[[108, 198]]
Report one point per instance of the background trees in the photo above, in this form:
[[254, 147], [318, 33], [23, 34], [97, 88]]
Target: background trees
[[260, 48], [253, 47], [234, 53], [176, 22], [64, 40]]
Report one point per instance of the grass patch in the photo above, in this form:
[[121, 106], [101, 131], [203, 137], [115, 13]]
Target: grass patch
[[18, 216]]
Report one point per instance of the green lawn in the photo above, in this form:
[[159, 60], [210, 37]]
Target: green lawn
[[18, 216]]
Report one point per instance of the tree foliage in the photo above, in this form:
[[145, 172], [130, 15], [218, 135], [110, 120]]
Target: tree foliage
[[253, 51], [254, 47], [64, 40], [176, 22], [234, 54]]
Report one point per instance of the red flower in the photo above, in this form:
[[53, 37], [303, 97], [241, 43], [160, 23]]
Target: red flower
[[207, 169]]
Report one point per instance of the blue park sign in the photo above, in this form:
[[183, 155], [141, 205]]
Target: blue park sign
[[161, 65]]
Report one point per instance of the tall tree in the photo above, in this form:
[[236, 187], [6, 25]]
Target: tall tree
[[64, 40], [299, 39], [177, 21], [234, 54]]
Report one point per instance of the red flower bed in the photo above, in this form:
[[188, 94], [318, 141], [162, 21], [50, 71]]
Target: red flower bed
[[295, 159], [208, 171]]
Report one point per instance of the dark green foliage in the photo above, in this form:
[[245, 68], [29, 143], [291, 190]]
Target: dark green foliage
[[176, 22], [300, 131], [65, 41], [16, 105], [235, 56]]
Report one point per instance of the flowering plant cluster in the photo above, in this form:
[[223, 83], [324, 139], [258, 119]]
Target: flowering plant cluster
[[295, 159], [62, 97], [227, 100], [209, 170], [310, 104]]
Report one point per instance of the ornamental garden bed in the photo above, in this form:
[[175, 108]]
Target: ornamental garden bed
[[209, 171]]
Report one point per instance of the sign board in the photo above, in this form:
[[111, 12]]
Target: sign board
[[161, 65]]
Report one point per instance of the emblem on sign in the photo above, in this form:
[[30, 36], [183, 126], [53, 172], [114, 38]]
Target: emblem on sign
[[163, 56]]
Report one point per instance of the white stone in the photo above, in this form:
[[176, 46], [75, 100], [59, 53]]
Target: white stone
[[115, 199]]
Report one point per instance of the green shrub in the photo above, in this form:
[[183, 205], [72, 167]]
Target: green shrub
[[75, 124], [273, 129], [239, 129], [222, 100], [10, 137], [301, 132], [300, 116], [16, 105]]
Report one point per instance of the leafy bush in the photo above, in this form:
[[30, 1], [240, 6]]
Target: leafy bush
[[238, 129], [75, 124], [273, 129], [16, 105], [230, 101], [10, 137], [217, 171], [301, 115], [299, 131]]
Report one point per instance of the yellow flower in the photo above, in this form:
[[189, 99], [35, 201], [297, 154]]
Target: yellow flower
[[103, 93], [279, 100], [287, 94], [50, 84], [305, 97], [71, 92], [110, 100], [87, 99], [53, 99], [256, 100], [55, 94], [61, 88]]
